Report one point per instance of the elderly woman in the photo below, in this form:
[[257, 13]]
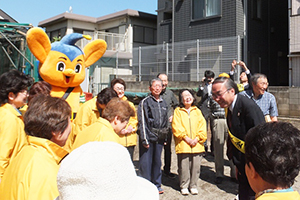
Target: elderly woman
[[115, 117], [128, 137], [189, 129], [13, 95], [32, 173], [89, 113], [40, 87]]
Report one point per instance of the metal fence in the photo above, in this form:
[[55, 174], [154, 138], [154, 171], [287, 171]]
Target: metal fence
[[188, 61]]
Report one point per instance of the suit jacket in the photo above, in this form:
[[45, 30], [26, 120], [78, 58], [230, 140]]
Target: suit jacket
[[203, 104], [245, 115]]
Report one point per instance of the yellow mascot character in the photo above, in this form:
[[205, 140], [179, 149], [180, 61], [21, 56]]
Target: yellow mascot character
[[62, 64]]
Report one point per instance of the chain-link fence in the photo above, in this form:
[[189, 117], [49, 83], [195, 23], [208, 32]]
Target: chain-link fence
[[188, 61]]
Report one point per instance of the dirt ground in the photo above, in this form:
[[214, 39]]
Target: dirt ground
[[208, 190]]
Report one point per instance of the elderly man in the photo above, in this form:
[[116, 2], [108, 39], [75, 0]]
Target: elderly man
[[265, 100], [242, 114], [169, 97], [153, 131]]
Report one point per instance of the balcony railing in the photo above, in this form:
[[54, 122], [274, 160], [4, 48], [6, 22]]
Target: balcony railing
[[115, 42]]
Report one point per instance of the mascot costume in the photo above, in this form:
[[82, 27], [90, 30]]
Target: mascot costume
[[62, 64]]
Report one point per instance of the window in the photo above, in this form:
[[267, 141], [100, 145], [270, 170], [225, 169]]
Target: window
[[149, 35], [167, 17], [202, 9], [144, 35], [256, 9], [138, 34], [295, 7]]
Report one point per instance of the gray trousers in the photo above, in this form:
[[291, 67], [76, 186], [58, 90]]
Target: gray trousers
[[220, 135], [189, 169]]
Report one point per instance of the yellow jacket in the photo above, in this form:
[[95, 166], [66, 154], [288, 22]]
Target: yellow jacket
[[32, 174], [191, 125], [86, 115], [12, 135], [23, 109], [130, 139], [100, 131], [280, 195]]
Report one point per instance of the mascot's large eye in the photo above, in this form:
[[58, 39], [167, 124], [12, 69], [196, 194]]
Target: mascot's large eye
[[61, 66], [78, 68]]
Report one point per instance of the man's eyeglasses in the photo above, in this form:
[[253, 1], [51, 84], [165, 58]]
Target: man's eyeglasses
[[219, 94]]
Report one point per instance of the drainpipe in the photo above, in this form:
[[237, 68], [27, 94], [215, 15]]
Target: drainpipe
[[245, 31], [173, 38], [289, 45]]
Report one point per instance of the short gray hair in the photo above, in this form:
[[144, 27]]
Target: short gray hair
[[155, 79], [227, 82], [256, 76]]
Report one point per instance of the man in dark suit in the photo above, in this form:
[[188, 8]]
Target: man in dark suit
[[204, 92], [242, 115]]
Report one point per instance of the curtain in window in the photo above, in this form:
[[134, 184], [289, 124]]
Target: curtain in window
[[198, 9], [213, 7]]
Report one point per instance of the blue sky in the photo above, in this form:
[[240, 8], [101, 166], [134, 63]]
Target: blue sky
[[34, 11]]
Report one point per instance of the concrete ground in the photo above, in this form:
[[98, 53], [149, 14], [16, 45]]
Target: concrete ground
[[208, 190]]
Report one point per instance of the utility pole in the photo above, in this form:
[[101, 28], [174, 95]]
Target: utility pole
[[173, 38]]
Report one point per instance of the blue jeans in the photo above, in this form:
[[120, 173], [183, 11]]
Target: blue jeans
[[150, 162]]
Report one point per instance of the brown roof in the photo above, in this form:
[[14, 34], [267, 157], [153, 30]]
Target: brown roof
[[66, 16]]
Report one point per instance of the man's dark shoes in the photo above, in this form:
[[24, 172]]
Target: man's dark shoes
[[218, 180], [170, 175], [233, 180]]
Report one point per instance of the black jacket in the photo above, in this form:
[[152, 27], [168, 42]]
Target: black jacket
[[203, 104], [246, 114], [151, 114]]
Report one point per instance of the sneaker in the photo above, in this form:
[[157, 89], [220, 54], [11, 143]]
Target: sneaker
[[160, 190], [194, 191], [184, 191], [237, 197]]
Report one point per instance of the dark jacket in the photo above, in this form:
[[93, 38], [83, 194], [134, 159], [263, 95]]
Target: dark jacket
[[151, 114], [203, 104], [172, 102], [246, 114]]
